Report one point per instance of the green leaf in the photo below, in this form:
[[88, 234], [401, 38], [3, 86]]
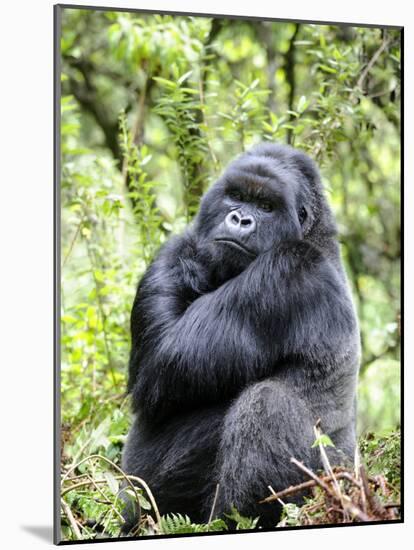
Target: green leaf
[[113, 483], [324, 440], [328, 69], [302, 104], [183, 78], [242, 521], [165, 82]]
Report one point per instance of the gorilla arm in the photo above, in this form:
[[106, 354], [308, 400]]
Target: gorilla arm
[[201, 349]]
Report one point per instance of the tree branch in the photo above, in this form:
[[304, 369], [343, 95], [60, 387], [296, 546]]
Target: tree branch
[[290, 75], [68, 513], [372, 62]]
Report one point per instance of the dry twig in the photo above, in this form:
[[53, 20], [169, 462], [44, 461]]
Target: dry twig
[[68, 513], [372, 62], [344, 500], [294, 489], [210, 519]]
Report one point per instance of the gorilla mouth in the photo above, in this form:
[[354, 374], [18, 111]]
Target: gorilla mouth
[[235, 244]]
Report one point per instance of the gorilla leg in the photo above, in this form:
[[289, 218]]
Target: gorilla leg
[[176, 460], [267, 425]]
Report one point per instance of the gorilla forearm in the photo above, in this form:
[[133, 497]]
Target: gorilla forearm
[[297, 302], [210, 349]]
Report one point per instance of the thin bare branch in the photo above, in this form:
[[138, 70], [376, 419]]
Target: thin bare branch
[[72, 242], [325, 460], [280, 501], [345, 501], [210, 519], [68, 513], [372, 62], [294, 489]]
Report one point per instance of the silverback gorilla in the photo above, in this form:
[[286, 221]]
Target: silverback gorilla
[[244, 334]]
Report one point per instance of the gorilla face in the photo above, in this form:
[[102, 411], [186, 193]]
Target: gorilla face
[[265, 197]]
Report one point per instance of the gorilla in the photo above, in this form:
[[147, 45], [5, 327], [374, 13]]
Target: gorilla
[[244, 335]]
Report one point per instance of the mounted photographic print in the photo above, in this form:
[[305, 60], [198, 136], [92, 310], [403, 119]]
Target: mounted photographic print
[[228, 268]]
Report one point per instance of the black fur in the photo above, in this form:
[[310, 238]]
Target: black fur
[[243, 335]]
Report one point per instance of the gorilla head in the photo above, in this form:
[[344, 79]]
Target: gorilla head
[[268, 195]]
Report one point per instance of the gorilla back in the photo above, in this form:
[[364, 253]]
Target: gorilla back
[[244, 334]]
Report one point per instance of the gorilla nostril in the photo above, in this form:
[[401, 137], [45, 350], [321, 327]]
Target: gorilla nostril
[[236, 222]]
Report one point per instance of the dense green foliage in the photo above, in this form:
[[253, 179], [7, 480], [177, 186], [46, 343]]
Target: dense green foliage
[[153, 107]]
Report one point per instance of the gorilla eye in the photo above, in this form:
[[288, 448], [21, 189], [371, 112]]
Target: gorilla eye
[[302, 215], [266, 206], [235, 195]]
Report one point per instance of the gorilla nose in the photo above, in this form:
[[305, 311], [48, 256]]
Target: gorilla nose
[[240, 224]]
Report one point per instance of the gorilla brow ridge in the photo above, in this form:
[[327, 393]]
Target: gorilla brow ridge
[[253, 187]]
